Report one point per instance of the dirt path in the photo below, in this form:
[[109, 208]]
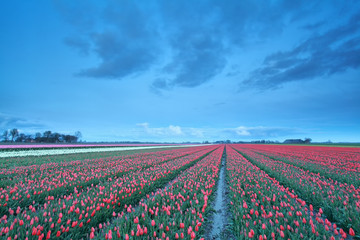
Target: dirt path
[[218, 229]]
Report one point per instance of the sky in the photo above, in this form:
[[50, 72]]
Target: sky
[[180, 71]]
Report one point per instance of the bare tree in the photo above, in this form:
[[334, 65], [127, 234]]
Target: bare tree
[[78, 135], [14, 133], [5, 135]]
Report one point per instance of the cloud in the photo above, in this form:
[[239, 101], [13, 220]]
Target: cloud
[[314, 26], [195, 63], [242, 131], [260, 132], [129, 44], [81, 45], [171, 132], [9, 122], [193, 35], [212, 134], [197, 133], [191, 40], [334, 51], [161, 131]]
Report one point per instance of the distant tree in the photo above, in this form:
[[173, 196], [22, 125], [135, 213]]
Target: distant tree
[[56, 137], [46, 135], [307, 140], [14, 133], [293, 141], [37, 137], [5, 136], [21, 138], [78, 135], [70, 139]]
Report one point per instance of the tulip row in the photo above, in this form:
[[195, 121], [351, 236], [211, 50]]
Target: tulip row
[[175, 212], [25, 185], [264, 209], [40, 171], [340, 164], [339, 202], [46, 146], [73, 215], [46, 152], [13, 162]]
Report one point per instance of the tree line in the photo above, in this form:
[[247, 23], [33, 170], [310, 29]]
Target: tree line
[[14, 135]]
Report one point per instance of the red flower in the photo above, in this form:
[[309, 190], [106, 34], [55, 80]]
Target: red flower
[[251, 233], [263, 226], [351, 232]]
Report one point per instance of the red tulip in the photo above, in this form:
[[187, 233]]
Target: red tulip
[[351, 232]]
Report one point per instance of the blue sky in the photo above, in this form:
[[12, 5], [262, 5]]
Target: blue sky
[[182, 70]]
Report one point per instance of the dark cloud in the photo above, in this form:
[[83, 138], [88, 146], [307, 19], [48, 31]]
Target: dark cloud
[[191, 40], [314, 26], [120, 57], [334, 51], [198, 59], [81, 14], [129, 43], [9, 122], [81, 45]]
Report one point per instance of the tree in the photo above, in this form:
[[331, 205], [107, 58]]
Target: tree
[[5, 135], [307, 140], [55, 137], [78, 135], [21, 138], [46, 135], [14, 133], [37, 137]]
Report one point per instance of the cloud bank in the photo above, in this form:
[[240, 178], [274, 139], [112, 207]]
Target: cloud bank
[[200, 134], [9, 122], [188, 43], [334, 51]]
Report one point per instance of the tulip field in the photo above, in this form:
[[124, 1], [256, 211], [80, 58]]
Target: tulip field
[[294, 192], [272, 192]]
